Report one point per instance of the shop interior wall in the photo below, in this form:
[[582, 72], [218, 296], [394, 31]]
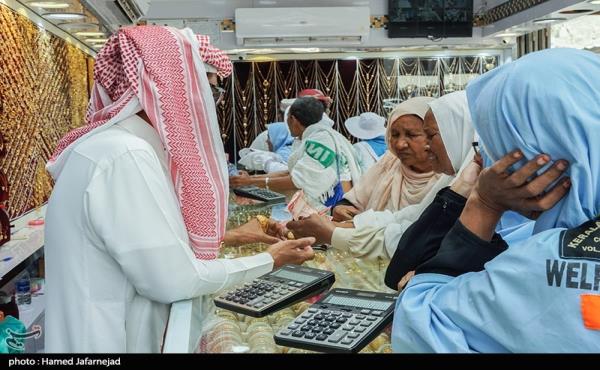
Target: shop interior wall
[[44, 90], [254, 89]]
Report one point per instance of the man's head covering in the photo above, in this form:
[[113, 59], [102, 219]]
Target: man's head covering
[[317, 94], [366, 126], [452, 114], [218, 62], [160, 70], [546, 102]]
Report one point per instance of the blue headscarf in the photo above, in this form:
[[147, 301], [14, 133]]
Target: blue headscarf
[[281, 139], [377, 144], [546, 102]]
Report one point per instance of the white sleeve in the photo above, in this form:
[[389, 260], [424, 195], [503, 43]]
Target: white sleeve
[[132, 210], [371, 218]]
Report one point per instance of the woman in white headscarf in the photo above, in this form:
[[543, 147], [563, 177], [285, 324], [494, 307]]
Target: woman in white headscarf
[[403, 176], [376, 234]]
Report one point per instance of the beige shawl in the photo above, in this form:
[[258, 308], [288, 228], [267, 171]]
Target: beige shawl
[[389, 185]]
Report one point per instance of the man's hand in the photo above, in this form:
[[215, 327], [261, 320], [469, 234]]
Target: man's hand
[[292, 251], [316, 225], [521, 191], [248, 233], [344, 213]]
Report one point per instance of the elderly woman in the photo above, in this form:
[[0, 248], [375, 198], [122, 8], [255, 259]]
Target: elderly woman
[[404, 176], [541, 294], [377, 233]]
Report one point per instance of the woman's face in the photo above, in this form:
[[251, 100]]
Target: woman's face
[[408, 142], [437, 154]]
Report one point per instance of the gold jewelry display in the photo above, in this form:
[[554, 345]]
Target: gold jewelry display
[[44, 92]]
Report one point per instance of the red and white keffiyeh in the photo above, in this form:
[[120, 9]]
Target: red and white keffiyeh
[[160, 70]]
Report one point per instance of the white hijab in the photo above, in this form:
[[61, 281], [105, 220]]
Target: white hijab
[[451, 112]]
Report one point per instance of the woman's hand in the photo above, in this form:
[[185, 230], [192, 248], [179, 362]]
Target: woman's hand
[[276, 229], [316, 225], [405, 279], [467, 179], [344, 213], [522, 191]]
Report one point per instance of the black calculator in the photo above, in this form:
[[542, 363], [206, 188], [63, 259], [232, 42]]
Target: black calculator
[[276, 290], [265, 195], [344, 321]]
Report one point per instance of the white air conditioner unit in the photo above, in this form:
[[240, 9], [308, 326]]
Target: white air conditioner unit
[[327, 26], [115, 13]]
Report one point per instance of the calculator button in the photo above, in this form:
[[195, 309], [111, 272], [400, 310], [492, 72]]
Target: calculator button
[[309, 335], [259, 305], [319, 317], [317, 329], [365, 324], [336, 313], [371, 318], [335, 325], [286, 332], [341, 320], [359, 330], [347, 341], [267, 301], [365, 312], [293, 326], [313, 322], [336, 337], [321, 337], [360, 317], [347, 315], [328, 331], [323, 324], [306, 328], [298, 334], [312, 310], [306, 316], [348, 327], [300, 321], [291, 283], [376, 313], [353, 335], [330, 318], [354, 322]]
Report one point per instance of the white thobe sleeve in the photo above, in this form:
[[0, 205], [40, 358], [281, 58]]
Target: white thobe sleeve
[[132, 212]]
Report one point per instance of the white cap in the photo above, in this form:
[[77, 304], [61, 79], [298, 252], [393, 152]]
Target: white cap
[[285, 103], [366, 126]]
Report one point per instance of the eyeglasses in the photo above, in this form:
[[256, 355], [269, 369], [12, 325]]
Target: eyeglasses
[[217, 92]]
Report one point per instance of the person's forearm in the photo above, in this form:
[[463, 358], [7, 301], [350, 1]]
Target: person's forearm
[[479, 219]]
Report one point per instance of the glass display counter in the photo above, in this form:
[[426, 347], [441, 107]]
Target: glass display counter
[[229, 332]]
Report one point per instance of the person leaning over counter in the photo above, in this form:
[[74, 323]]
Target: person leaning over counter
[[139, 208], [448, 126], [323, 165], [541, 294]]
